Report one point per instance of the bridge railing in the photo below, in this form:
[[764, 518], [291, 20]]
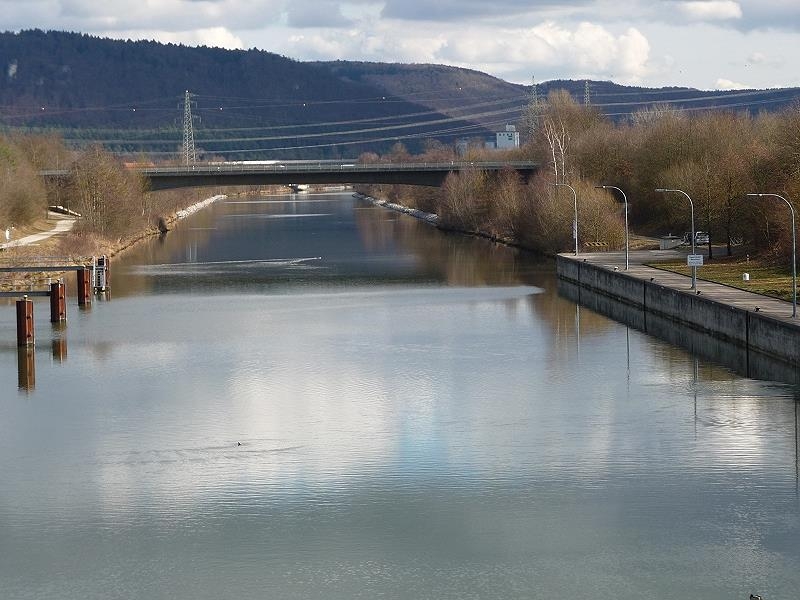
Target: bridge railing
[[327, 167]]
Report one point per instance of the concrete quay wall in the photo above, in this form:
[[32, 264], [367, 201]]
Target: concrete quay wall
[[745, 328]]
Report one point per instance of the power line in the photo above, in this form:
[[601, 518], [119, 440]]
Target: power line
[[422, 135], [343, 133]]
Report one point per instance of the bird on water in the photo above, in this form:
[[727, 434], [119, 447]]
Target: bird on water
[[755, 597]]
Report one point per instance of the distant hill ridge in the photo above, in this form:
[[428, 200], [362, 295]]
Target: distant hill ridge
[[129, 94]]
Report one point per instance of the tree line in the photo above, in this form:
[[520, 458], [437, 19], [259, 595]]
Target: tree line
[[716, 157], [113, 201]]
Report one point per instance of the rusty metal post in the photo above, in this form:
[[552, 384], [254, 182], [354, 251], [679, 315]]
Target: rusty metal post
[[58, 302], [84, 287], [25, 322], [26, 369]]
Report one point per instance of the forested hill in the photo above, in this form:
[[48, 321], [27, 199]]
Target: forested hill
[[258, 100], [78, 80], [251, 103], [448, 89]]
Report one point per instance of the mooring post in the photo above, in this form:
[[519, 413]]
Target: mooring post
[[84, 287], [58, 302], [25, 322]]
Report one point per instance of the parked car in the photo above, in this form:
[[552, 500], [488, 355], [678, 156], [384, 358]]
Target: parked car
[[700, 238]]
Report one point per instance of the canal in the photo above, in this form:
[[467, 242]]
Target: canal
[[310, 397]]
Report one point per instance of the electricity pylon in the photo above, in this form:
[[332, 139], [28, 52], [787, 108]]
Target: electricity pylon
[[189, 155]]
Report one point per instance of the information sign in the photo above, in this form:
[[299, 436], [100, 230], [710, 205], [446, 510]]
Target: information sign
[[694, 260]]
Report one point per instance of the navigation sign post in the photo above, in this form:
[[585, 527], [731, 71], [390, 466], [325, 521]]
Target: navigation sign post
[[694, 261]]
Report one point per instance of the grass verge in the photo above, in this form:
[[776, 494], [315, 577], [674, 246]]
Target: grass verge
[[768, 280]]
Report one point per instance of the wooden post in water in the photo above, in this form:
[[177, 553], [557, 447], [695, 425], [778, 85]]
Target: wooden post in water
[[84, 287], [58, 302], [25, 322]]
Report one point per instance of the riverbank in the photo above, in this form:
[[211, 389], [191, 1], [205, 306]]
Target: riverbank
[[433, 219], [22, 251], [129, 243], [751, 321]]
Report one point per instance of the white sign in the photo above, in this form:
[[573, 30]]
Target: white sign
[[694, 260]]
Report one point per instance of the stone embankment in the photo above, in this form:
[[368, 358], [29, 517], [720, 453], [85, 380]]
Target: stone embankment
[[431, 218], [182, 214], [748, 320]]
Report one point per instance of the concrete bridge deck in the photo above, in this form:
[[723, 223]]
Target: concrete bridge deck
[[310, 172]]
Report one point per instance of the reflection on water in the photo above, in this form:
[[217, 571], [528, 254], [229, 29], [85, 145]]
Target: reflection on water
[[357, 405], [748, 363], [26, 369]]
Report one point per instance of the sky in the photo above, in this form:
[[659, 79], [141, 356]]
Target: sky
[[705, 44]]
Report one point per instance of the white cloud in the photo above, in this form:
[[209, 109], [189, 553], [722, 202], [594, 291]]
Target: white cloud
[[214, 37], [377, 43], [587, 49], [634, 53], [91, 16], [762, 59], [711, 10], [652, 42], [727, 84]]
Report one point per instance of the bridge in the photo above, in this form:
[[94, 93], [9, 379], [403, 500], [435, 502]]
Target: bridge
[[310, 172]]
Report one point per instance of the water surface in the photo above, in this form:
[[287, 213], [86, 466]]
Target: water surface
[[308, 397]]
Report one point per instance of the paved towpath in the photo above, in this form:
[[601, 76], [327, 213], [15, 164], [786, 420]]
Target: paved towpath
[[724, 294], [63, 224]]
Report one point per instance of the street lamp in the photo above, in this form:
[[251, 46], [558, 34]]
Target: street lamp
[[794, 250], [625, 200], [575, 221], [691, 206]]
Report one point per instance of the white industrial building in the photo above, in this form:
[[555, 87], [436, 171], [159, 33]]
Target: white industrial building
[[507, 139], [503, 141]]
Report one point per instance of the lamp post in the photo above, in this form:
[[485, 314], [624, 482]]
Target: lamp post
[[625, 200], [794, 249], [575, 221], [691, 207]]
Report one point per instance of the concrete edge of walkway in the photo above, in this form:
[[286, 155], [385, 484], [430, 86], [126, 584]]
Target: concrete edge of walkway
[[746, 319]]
